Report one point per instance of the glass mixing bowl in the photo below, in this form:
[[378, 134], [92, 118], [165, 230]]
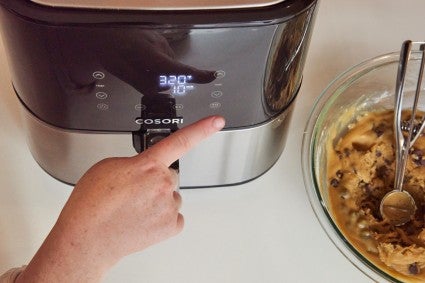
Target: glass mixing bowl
[[368, 86]]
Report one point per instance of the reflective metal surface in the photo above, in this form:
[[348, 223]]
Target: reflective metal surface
[[229, 157], [158, 4]]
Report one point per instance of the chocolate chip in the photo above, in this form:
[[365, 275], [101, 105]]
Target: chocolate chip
[[416, 152], [367, 188], [339, 174], [334, 183], [382, 172], [346, 152], [410, 229], [378, 153], [379, 130], [414, 268]]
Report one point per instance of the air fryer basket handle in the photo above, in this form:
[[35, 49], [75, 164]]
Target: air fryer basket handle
[[156, 107]]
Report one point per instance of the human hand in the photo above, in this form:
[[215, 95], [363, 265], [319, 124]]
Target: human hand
[[120, 206]]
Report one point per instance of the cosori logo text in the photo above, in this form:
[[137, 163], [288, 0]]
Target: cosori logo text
[[163, 121]]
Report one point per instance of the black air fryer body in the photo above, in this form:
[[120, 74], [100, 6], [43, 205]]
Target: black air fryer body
[[101, 81]]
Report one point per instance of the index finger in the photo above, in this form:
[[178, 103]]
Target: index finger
[[180, 142]]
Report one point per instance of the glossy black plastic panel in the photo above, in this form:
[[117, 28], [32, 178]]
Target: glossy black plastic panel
[[94, 77], [206, 18]]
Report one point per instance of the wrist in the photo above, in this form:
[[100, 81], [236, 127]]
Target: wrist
[[66, 256]]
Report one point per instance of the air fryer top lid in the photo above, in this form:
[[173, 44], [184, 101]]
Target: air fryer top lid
[[159, 4]]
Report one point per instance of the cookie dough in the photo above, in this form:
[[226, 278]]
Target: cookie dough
[[360, 171]]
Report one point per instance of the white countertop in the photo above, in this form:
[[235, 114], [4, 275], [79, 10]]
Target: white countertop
[[262, 231]]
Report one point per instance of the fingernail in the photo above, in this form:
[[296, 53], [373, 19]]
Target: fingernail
[[219, 122]]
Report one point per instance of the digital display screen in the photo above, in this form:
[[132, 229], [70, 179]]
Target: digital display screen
[[178, 84]]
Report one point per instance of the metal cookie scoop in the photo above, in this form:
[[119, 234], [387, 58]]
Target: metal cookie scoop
[[398, 206]]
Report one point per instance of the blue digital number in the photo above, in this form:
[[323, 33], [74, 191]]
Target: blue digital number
[[177, 83], [162, 80]]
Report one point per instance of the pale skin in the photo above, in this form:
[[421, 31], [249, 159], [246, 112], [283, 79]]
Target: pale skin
[[120, 206]]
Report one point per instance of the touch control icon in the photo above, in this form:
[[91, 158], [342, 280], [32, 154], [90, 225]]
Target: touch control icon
[[220, 74], [140, 107], [217, 94], [215, 105], [101, 95], [103, 106], [98, 75], [178, 106]]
